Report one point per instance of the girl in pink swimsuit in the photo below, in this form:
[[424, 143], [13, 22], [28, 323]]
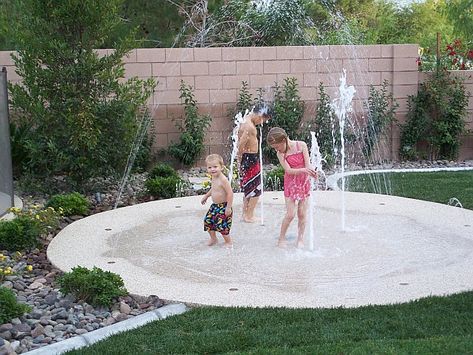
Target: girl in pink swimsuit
[[294, 158]]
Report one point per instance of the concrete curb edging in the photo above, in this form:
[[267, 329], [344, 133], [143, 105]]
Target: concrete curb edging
[[103, 333], [332, 180]]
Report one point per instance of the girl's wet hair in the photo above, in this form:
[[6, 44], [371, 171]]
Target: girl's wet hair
[[214, 157], [277, 135]]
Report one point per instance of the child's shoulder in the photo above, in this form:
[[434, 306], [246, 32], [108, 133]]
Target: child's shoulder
[[301, 144], [222, 178]]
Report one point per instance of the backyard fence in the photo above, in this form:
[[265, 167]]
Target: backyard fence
[[6, 175]]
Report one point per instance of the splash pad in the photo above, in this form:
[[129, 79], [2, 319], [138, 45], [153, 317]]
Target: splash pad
[[392, 250]]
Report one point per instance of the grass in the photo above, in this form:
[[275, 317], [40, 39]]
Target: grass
[[431, 325], [429, 186]]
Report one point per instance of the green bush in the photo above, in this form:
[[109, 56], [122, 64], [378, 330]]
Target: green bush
[[71, 204], [381, 108], [288, 113], [96, 286], [162, 170], [274, 179], [163, 187], [9, 306], [21, 233], [193, 127], [94, 107], [436, 118], [327, 129]]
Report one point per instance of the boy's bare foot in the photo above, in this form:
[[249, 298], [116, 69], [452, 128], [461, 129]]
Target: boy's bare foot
[[212, 242], [228, 241], [250, 220], [282, 243], [300, 244]]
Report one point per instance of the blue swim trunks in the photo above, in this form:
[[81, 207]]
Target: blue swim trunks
[[215, 219]]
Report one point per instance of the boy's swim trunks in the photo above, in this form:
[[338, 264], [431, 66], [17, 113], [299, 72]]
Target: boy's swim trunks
[[215, 219], [250, 175]]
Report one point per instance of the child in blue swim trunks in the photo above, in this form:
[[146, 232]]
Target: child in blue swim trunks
[[219, 216]]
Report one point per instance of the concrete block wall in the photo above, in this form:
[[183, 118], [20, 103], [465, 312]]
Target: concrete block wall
[[216, 74]]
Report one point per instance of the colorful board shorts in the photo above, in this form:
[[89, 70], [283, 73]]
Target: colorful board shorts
[[215, 219], [250, 175]]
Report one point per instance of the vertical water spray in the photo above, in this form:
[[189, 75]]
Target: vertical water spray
[[316, 163], [239, 119], [141, 131], [262, 176], [342, 106]]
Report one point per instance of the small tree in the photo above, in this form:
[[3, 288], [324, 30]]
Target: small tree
[[288, 113], [381, 108], [327, 128], [245, 100], [436, 117], [192, 127], [78, 117]]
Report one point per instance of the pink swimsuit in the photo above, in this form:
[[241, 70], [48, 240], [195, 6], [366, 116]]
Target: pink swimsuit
[[296, 186]]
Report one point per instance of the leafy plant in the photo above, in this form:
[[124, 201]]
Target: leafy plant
[[9, 306], [144, 141], [70, 204], [163, 187], [162, 170], [245, 100], [96, 286], [24, 232], [274, 179], [381, 109], [436, 118], [242, 23], [288, 113], [193, 127], [457, 55], [327, 129], [72, 106], [21, 233]]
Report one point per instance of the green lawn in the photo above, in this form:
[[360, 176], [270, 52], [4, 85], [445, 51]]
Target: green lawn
[[429, 186], [441, 325], [432, 325]]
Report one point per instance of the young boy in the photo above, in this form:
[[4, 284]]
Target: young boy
[[219, 216]]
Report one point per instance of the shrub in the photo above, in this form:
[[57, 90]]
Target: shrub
[[21, 233], [94, 107], [96, 286], [162, 170], [288, 113], [245, 99], [436, 118], [192, 127], [9, 306], [381, 108], [70, 204], [274, 179], [327, 129], [163, 187]]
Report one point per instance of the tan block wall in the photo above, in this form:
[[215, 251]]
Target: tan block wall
[[216, 75]]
